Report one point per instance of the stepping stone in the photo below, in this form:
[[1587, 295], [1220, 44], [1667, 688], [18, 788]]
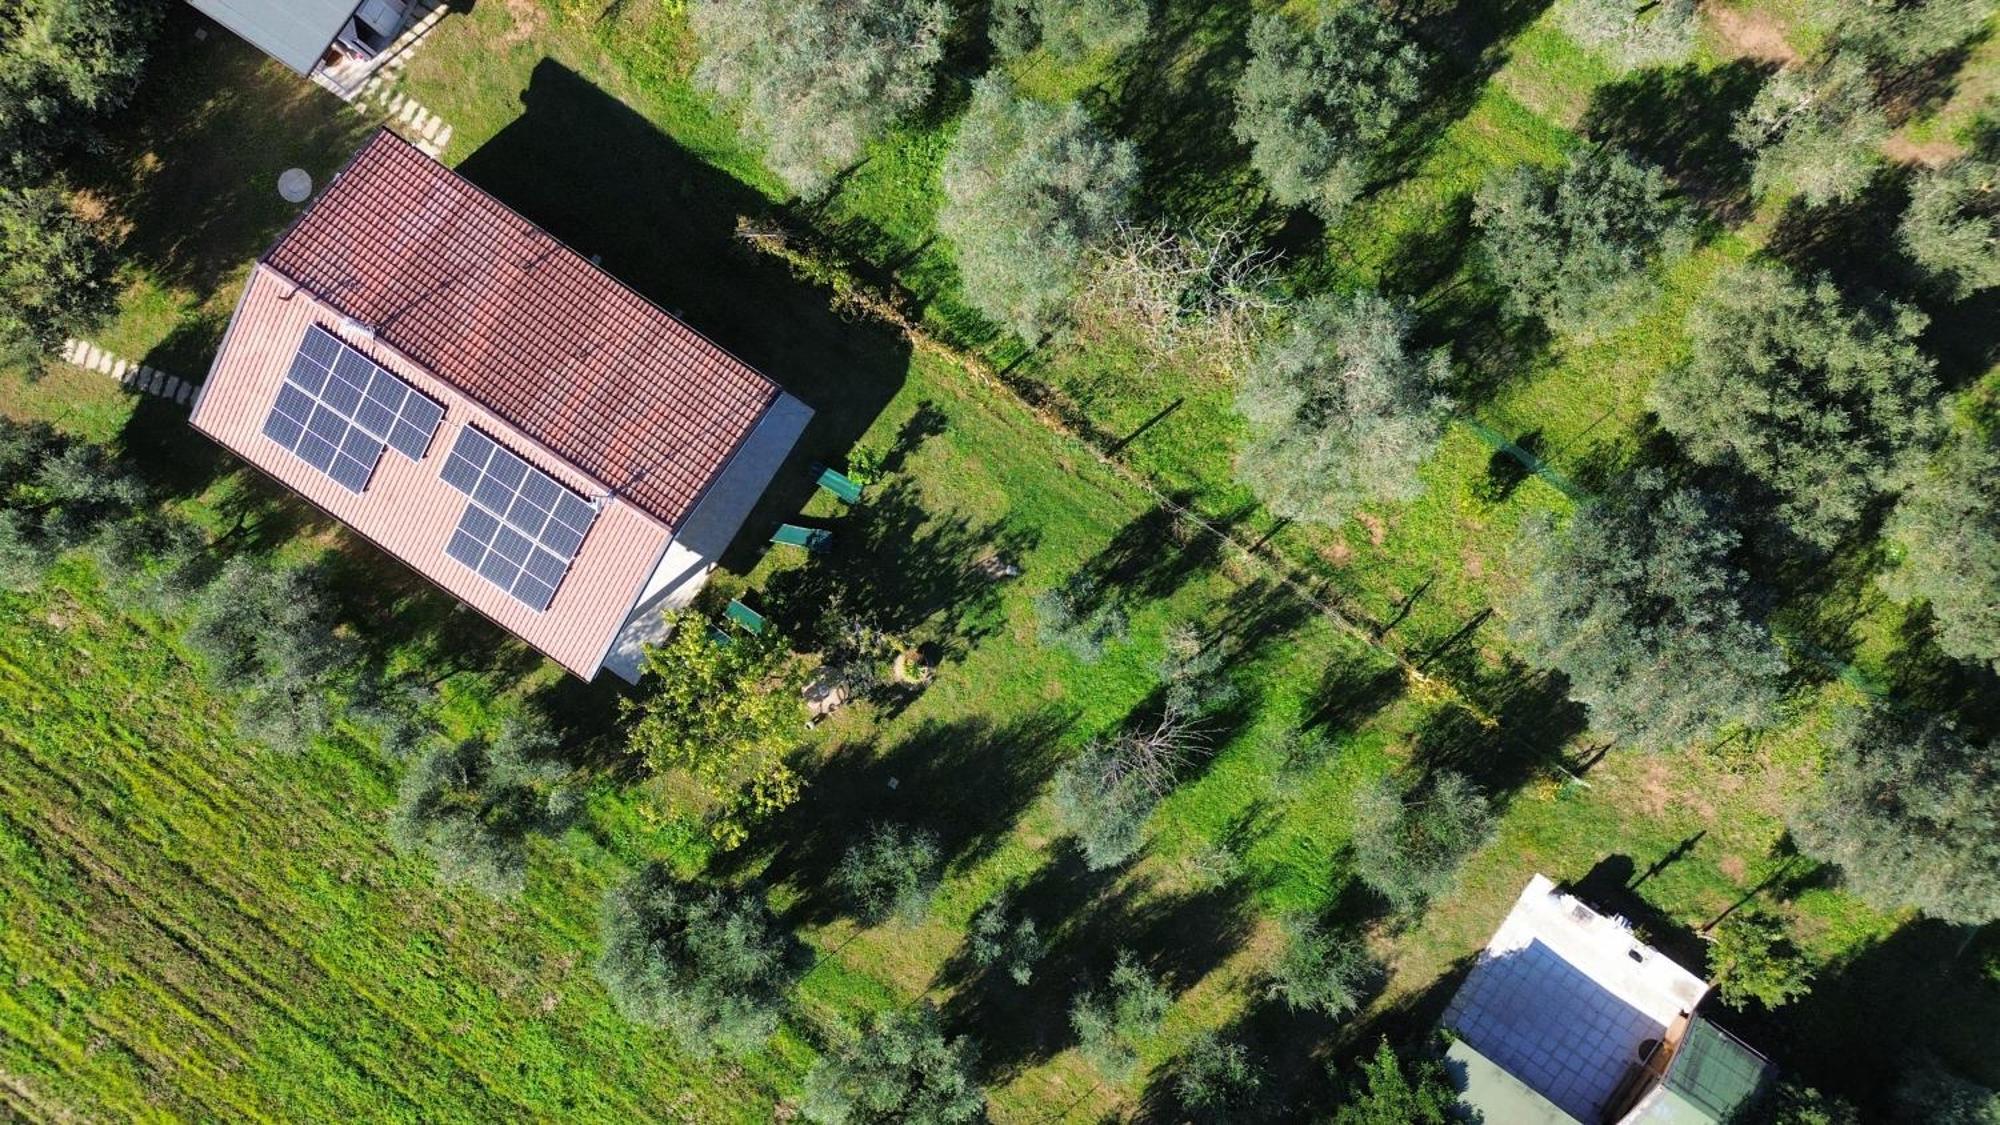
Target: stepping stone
[[187, 392], [444, 136], [118, 369], [173, 386]]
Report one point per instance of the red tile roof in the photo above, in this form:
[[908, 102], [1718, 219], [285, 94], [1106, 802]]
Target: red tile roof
[[500, 309]]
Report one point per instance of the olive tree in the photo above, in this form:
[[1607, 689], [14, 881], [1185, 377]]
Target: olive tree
[[270, 633], [1069, 30], [56, 492], [816, 80], [471, 806], [1320, 105], [901, 1068], [1112, 1022], [1029, 189], [999, 938], [55, 272], [892, 872], [1816, 129], [1571, 245], [1318, 971], [1898, 35], [1633, 33], [1945, 539], [1408, 845], [1105, 793], [1822, 401], [1952, 226], [728, 714], [1909, 810], [1636, 602], [1342, 410], [65, 64], [1214, 1076], [708, 964]]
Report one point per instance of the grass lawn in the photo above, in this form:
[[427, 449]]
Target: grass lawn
[[252, 947]]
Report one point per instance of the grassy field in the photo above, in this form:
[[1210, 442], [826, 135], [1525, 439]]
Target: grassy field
[[250, 947]]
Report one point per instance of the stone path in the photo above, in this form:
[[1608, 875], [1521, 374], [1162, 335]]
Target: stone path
[[136, 376], [364, 86]]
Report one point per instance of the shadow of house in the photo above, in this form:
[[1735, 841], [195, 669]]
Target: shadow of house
[[904, 569], [588, 169], [1680, 119]]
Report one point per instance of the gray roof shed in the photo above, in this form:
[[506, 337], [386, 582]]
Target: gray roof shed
[[295, 32]]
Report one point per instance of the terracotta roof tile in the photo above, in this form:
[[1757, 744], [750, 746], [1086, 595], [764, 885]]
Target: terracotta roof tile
[[500, 309]]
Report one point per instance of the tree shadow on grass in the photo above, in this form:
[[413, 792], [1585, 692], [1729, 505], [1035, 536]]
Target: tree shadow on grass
[[967, 780], [1921, 987], [1469, 42], [1155, 554], [1533, 721], [1177, 101], [1680, 118], [606, 181], [1088, 917], [1921, 676]]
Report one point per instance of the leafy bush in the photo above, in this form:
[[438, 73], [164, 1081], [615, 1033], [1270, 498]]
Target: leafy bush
[[472, 806], [727, 714], [1790, 1102], [1216, 1075], [1751, 957], [1319, 106], [1638, 605], [1319, 972], [892, 873], [1816, 129], [902, 1069], [65, 64], [270, 633], [1408, 847], [1909, 810], [1110, 1025], [1822, 402], [1341, 411], [1633, 33], [55, 273], [1070, 30], [1571, 245], [1029, 189], [1072, 616], [1000, 940], [817, 80], [1386, 1095], [709, 965], [1952, 227], [55, 493], [1946, 535]]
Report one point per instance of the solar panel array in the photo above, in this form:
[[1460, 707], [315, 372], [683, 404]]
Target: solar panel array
[[522, 529], [337, 410]]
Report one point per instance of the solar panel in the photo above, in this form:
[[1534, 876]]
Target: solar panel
[[338, 410], [521, 528]]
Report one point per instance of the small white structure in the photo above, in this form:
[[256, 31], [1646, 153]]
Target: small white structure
[[1566, 1018]]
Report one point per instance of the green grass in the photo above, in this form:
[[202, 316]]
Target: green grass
[[216, 873]]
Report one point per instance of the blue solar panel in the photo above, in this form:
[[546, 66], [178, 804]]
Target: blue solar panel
[[338, 410], [521, 528]]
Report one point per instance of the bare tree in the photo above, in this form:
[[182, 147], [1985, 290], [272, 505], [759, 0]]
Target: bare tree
[[1196, 300]]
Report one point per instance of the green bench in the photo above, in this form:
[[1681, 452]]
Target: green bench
[[839, 485], [745, 616], [810, 538]]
